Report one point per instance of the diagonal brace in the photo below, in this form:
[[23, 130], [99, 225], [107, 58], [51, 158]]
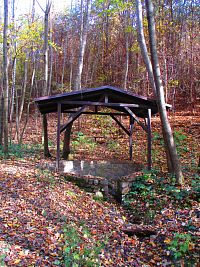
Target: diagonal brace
[[72, 118], [136, 119], [120, 124]]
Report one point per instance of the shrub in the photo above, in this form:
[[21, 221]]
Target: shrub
[[77, 252], [180, 245]]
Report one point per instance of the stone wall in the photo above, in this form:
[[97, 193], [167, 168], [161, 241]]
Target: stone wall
[[124, 183], [88, 182], [117, 187], [94, 184]]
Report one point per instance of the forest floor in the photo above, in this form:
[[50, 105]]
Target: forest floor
[[46, 221]]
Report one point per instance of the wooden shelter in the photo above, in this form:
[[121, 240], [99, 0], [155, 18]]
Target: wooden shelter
[[117, 102]]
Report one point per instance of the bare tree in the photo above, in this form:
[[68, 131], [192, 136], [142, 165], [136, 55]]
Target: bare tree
[[142, 44], [85, 13], [83, 38], [126, 24], [166, 128], [46, 71], [1, 118], [5, 78], [24, 86], [46, 46], [13, 67], [32, 80]]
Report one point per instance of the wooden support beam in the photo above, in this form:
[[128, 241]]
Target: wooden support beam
[[120, 124], [58, 137], [149, 140], [136, 119], [72, 118], [97, 112], [131, 137], [103, 104]]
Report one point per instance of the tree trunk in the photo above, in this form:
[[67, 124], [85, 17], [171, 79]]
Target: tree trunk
[[83, 39], [51, 61], [5, 78], [77, 83], [147, 61], [12, 101], [20, 135], [33, 11], [71, 69], [46, 46], [46, 69], [127, 48], [143, 47], [1, 120], [46, 139], [24, 87], [20, 111], [17, 116], [66, 142], [14, 64], [29, 102], [65, 44], [167, 132]]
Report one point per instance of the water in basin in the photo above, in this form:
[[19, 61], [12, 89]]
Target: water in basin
[[107, 169]]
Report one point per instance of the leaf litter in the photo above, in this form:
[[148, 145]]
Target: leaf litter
[[36, 208]]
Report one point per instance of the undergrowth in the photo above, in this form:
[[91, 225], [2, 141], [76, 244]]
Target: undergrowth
[[180, 245], [155, 191], [80, 248], [82, 141], [151, 194], [21, 150]]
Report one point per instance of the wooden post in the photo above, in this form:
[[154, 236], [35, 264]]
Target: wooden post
[[149, 140], [45, 135], [1, 120], [131, 137], [58, 136]]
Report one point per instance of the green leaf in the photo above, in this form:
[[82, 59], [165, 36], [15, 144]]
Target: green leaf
[[57, 262]]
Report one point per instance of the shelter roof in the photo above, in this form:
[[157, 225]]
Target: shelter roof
[[106, 96]]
